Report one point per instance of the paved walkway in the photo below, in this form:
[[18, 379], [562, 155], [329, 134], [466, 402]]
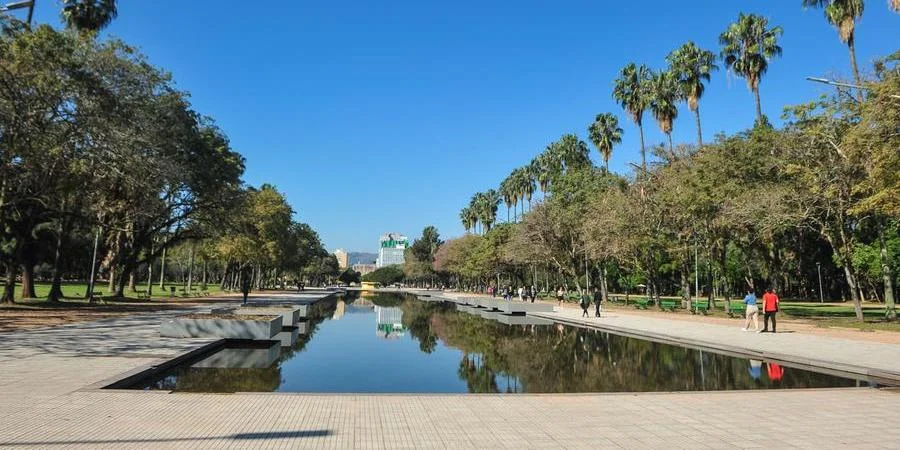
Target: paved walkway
[[48, 399]]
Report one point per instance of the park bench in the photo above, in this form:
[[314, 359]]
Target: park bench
[[143, 295], [669, 304], [700, 306], [737, 310], [641, 302]]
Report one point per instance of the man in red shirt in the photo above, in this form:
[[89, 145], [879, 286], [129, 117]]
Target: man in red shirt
[[770, 307]]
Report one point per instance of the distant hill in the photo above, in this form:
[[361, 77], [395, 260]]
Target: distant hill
[[361, 258]]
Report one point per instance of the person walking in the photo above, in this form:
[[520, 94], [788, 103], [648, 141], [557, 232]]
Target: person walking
[[585, 303], [522, 293], [598, 298], [560, 293], [533, 293], [770, 307], [752, 311]]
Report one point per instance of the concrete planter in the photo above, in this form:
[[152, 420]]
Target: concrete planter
[[302, 308], [228, 327], [288, 336], [514, 307]]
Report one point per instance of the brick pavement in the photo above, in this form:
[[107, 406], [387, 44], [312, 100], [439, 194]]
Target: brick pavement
[[46, 401]]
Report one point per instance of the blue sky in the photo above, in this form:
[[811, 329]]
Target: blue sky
[[374, 118]]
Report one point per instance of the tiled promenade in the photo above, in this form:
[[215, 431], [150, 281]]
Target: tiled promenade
[[48, 400]]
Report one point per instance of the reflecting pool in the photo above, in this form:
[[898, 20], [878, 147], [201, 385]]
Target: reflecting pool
[[396, 343]]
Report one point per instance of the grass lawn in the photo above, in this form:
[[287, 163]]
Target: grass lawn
[[76, 290]]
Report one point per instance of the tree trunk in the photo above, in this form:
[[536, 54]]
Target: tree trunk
[[190, 278], [686, 284], [28, 280], [699, 133], [854, 290], [203, 283], [604, 289], [890, 311], [132, 286], [162, 270], [759, 116], [111, 284], [671, 147], [852, 47], [56, 280], [9, 285], [643, 151]]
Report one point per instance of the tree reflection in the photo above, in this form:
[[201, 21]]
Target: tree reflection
[[568, 359]]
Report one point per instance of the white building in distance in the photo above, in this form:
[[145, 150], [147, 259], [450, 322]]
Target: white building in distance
[[390, 249]]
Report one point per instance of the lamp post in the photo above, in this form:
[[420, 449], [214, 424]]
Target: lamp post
[[840, 84], [819, 271], [19, 5]]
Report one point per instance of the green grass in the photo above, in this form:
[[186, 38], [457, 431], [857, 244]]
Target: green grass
[[76, 290]]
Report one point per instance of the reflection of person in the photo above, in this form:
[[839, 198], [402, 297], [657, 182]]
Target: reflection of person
[[775, 371], [585, 303], [752, 311], [522, 293], [755, 368], [770, 307], [598, 298]]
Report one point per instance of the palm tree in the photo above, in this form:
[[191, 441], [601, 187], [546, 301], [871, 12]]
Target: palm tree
[[747, 46], [88, 15], [664, 98], [541, 171], [570, 152], [843, 14], [605, 133], [630, 90], [528, 185], [506, 192], [487, 203], [692, 66], [467, 217]]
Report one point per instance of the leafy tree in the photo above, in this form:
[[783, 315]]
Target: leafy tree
[[605, 133], [385, 276], [349, 276], [748, 45], [692, 66]]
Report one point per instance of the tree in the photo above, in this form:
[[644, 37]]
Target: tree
[[605, 133], [692, 66], [88, 15], [747, 47], [349, 276], [843, 14], [664, 98], [631, 90], [385, 276]]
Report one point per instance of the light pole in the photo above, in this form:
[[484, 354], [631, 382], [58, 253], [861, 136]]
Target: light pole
[[90, 292], [819, 270], [840, 84], [19, 5]]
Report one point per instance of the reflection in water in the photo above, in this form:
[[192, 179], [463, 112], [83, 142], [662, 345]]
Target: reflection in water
[[389, 322], [435, 348]]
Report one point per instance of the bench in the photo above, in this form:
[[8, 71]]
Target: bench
[[669, 305], [641, 302], [700, 306], [144, 295], [737, 310]]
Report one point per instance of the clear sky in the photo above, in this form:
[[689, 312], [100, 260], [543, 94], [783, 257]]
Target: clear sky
[[387, 116]]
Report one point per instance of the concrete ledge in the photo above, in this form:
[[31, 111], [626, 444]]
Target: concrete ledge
[[519, 307], [260, 328], [241, 358]]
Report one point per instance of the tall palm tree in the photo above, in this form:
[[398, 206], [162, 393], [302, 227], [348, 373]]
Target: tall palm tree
[[692, 67], [630, 90], [467, 217], [528, 185], [894, 5], [488, 202], [843, 14], [605, 133], [541, 171], [747, 46], [571, 152], [88, 15], [506, 192], [664, 98]]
